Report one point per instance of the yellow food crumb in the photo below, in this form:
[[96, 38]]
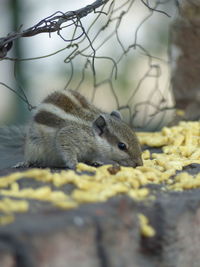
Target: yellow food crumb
[[145, 229], [84, 167], [66, 204], [6, 219], [139, 194], [43, 193], [185, 181], [180, 112], [8, 205], [146, 154]]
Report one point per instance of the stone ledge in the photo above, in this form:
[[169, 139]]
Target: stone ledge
[[107, 234]]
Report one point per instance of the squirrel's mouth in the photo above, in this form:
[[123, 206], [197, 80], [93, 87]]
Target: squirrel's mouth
[[133, 164]]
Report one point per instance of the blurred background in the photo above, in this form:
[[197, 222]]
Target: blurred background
[[122, 63]]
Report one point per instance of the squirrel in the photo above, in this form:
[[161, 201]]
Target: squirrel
[[66, 129]]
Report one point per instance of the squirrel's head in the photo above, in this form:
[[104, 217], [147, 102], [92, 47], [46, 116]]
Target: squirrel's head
[[116, 141]]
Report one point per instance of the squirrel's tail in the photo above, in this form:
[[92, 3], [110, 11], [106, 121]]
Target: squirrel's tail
[[12, 142]]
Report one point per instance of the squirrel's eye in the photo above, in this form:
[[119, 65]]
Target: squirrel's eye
[[122, 146]]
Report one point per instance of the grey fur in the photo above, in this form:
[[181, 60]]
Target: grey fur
[[12, 141]]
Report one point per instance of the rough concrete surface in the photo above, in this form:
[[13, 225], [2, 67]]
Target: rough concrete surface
[[107, 234]]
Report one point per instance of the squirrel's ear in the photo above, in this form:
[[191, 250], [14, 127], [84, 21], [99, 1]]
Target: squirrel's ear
[[99, 125], [116, 114]]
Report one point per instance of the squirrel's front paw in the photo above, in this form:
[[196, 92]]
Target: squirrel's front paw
[[21, 164], [96, 164], [71, 165]]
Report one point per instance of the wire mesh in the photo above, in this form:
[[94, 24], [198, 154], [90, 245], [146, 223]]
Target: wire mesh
[[86, 34]]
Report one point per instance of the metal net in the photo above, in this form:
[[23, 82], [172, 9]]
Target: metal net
[[107, 54]]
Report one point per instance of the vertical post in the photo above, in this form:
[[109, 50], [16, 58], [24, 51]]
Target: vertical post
[[21, 110], [185, 55]]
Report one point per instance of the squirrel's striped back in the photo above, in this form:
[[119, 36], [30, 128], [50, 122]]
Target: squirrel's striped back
[[62, 106]]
